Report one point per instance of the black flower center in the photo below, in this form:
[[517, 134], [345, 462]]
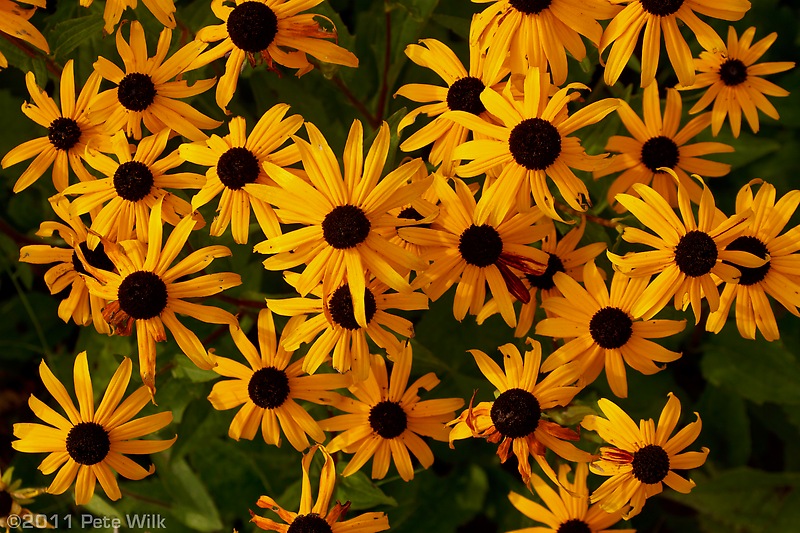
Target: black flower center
[[753, 245], [660, 152], [96, 258], [345, 227], [650, 464], [732, 72], [465, 95], [611, 327], [6, 503], [63, 133], [252, 26], [133, 181], [341, 309], [309, 523], [544, 281], [573, 525], [142, 295], [388, 419], [237, 167], [516, 413], [480, 245], [535, 143], [268, 387], [88, 443], [136, 91], [696, 253], [530, 7], [661, 8]]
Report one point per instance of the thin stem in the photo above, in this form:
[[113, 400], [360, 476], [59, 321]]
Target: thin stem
[[242, 302], [355, 102], [28, 309], [34, 53], [387, 58], [591, 218]]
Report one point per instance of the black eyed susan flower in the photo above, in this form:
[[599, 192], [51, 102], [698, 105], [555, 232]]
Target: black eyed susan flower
[[532, 143], [517, 419], [734, 81], [386, 419], [147, 90], [657, 143], [12, 499], [689, 255], [462, 93], [604, 333], [334, 324], [661, 16], [641, 459], [568, 510], [163, 10], [564, 256], [70, 269], [538, 33], [345, 218], [274, 31], [15, 23], [132, 185], [777, 277], [318, 518], [268, 390], [90, 442], [472, 246], [235, 161], [69, 132], [145, 294]]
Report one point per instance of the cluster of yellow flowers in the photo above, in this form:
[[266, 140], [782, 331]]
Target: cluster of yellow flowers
[[366, 240]]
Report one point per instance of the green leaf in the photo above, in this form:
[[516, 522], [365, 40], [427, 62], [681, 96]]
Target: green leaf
[[361, 492], [70, 34], [192, 504]]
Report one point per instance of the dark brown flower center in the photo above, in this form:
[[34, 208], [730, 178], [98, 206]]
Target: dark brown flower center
[[660, 152], [88, 443], [268, 387], [142, 295], [237, 167], [516, 413], [573, 525], [133, 181], [733, 72], [309, 523], [340, 306], [252, 26], [388, 419], [661, 8], [136, 91], [535, 143], [650, 464], [345, 227], [544, 281], [96, 258], [611, 327], [480, 245], [63, 133], [753, 245], [530, 7], [696, 253], [465, 95]]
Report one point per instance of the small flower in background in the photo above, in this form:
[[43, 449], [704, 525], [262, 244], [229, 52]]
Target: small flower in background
[[89, 443], [777, 277], [12, 499], [386, 419], [147, 91], [734, 81], [318, 517], [516, 419], [641, 458], [657, 143], [15, 23], [235, 161], [270, 387], [272, 30], [69, 132], [568, 510]]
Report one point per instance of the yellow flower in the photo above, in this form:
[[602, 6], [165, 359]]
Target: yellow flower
[[163, 10], [145, 293], [641, 458], [273, 30], [386, 419], [146, 91], [517, 418], [657, 143], [89, 443], [69, 132], [235, 161], [734, 81], [318, 517], [15, 23], [661, 16]]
